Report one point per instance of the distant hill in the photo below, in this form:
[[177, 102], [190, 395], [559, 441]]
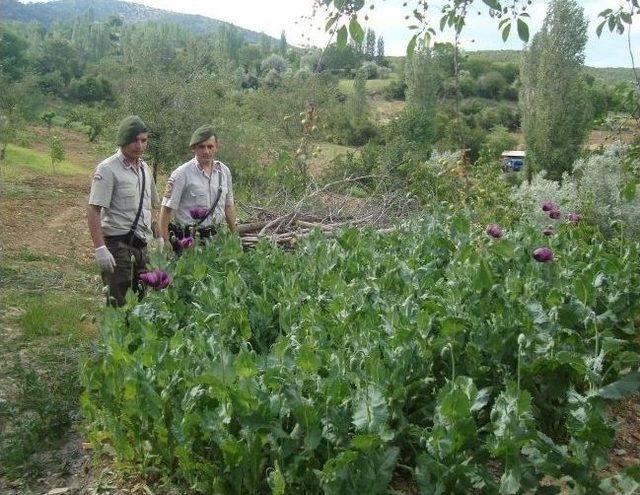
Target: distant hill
[[608, 75], [512, 56], [64, 10]]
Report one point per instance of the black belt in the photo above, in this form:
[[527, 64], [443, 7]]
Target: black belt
[[131, 240], [180, 232]]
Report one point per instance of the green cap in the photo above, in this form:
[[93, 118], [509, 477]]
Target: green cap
[[202, 134], [129, 128]]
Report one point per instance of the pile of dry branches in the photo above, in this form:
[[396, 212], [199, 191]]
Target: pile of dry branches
[[286, 222]]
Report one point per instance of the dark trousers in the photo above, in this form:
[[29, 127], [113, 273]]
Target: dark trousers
[[130, 262]]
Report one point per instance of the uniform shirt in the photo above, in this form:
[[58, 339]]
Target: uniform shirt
[[116, 187], [188, 186]]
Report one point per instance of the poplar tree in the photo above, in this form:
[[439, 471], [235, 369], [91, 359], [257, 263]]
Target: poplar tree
[[283, 44], [380, 53], [370, 45], [421, 77], [554, 100]]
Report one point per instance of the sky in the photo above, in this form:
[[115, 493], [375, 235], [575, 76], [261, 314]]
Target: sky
[[388, 20]]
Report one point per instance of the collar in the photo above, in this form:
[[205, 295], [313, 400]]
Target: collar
[[214, 168], [123, 161]]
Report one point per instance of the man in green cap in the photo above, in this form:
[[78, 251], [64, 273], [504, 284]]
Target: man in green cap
[[122, 195], [199, 193]]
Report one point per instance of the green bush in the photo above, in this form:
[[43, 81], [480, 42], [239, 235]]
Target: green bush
[[395, 90]]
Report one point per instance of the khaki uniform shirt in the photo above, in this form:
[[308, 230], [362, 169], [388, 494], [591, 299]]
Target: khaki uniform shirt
[[116, 187], [189, 186]]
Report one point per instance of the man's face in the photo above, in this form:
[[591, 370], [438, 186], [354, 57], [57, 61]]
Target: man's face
[[205, 151], [135, 148]]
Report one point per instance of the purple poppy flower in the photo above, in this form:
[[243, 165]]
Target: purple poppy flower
[[543, 254], [164, 279], [158, 279], [198, 212], [574, 218], [547, 231], [549, 206], [555, 214], [149, 278], [186, 242], [494, 230]]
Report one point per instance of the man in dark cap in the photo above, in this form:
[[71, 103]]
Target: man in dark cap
[[122, 196], [199, 193]]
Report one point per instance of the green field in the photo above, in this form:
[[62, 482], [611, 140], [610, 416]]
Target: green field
[[372, 85]]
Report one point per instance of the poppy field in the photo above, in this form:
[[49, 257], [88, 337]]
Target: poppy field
[[444, 357]]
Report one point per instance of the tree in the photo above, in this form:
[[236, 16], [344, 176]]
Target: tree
[[491, 85], [56, 151], [357, 104], [283, 44], [421, 77], [422, 81], [13, 50], [370, 45], [380, 52], [553, 98], [274, 62], [345, 59], [60, 57]]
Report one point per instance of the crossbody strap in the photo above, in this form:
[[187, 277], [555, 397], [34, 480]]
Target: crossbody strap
[[135, 220], [215, 203]]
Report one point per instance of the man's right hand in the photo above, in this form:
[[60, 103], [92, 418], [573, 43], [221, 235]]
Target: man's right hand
[[105, 259]]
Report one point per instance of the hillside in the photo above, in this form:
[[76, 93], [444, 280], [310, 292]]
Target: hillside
[[608, 75], [100, 10]]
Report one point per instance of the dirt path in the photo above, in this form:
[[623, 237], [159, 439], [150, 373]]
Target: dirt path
[[45, 268]]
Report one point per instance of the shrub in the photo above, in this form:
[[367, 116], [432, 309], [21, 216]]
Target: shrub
[[272, 79], [90, 89], [594, 190], [274, 62], [600, 180], [496, 142], [395, 90], [370, 70]]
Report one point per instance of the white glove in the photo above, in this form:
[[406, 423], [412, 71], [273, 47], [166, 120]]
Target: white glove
[[105, 259], [156, 244]]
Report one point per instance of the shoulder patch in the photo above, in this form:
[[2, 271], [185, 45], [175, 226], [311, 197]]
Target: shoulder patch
[[168, 188], [97, 176]]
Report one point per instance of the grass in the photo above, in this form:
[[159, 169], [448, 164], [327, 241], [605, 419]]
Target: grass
[[54, 315], [328, 152], [372, 85], [19, 159], [44, 298], [29, 255], [44, 407], [39, 376]]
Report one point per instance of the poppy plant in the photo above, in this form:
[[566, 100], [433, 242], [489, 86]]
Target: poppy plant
[[186, 242], [158, 279], [543, 254], [574, 218], [555, 214], [494, 230], [547, 231], [549, 206], [198, 212]]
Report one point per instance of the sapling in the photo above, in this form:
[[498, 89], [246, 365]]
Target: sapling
[[56, 151]]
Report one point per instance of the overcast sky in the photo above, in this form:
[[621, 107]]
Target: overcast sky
[[387, 19]]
